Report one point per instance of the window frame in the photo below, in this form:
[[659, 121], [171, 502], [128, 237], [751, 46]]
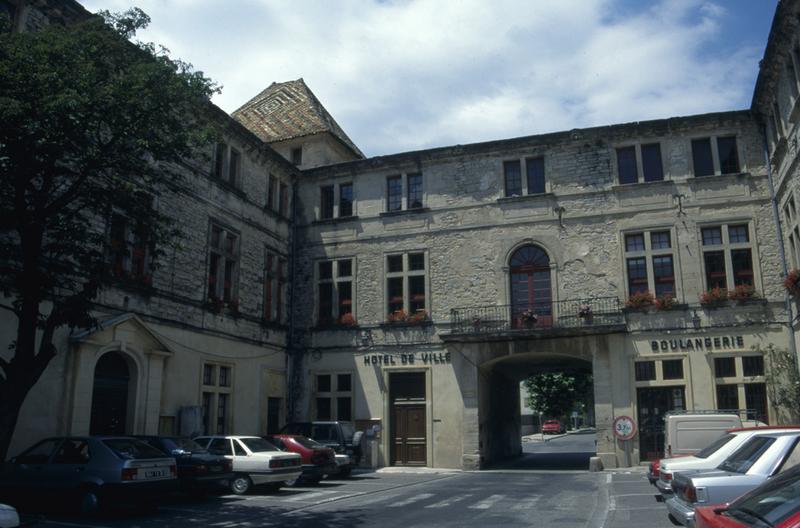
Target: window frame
[[649, 254], [716, 159], [527, 166], [398, 195], [133, 259], [728, 248], [211, 418], [742, 382], [336, 281], [224, 256], [275, 282], [228, 163], [333, 395], [339, 206], [641, 172], [406, 274]]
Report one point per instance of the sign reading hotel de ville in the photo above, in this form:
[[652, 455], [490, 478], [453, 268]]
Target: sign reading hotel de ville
[[412, 358], [704, 344]]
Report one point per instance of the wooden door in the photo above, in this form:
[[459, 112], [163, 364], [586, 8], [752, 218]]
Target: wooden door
[[409, 442]]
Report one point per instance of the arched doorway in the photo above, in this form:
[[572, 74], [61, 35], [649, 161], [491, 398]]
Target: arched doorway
[[530, 287], [110, 395]]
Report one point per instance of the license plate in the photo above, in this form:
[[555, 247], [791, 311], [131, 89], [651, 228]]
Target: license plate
[[153, 473]]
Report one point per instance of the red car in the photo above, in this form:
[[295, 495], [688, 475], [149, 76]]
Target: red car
[[776, 503], [318, 460], [553, 427]]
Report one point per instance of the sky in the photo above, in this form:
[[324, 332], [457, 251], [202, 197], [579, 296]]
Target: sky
[[402, 75]]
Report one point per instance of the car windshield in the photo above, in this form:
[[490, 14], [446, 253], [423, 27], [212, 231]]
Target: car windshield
[[258, 445], [743, 458], [130, 449], [183, 444], [773, 502], [715, 446]]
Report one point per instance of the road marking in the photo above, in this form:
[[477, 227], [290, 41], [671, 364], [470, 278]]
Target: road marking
[[447, 502], [527, 504], [608, 478], [77, 525], [307, 496], [635, 495], [410, 500], [487, 503]]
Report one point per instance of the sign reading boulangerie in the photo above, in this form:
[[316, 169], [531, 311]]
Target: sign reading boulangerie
[[708, 344]]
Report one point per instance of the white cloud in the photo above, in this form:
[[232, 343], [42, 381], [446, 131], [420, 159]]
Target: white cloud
[[404, 75]]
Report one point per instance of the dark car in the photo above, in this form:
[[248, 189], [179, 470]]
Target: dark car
[[318, 460], [198, 470], [89, 472], [339, 436]]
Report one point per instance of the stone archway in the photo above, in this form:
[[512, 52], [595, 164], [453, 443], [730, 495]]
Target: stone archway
[[113, 395]]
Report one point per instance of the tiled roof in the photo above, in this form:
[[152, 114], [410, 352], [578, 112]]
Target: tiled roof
[[289, 110]]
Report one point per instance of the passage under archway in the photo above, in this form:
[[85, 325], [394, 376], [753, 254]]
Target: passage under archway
[[112, 378]]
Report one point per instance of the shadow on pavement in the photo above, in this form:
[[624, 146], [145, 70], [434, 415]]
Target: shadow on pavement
[[550, 461]]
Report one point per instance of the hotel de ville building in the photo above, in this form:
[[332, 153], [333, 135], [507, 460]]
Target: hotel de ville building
[[411, 293]]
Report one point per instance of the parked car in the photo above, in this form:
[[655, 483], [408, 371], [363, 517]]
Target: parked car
[[318, 460], [198, 470], [760, 457], [8, 516], [553, 427], [342, 437], [710, 457], [255, 461], [775, 503], [90, 471]]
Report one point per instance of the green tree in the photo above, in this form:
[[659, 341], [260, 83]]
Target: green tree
[[92, 123], [555, 394]]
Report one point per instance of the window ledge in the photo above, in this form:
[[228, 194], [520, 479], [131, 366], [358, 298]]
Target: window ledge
[[525, 197], [405, 212], [719, 176], [405, 324], [638, 185], [335, 328], [338, 220]]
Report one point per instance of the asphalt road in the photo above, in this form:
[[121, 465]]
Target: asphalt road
[[509, 496]]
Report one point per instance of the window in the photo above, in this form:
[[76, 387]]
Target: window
[[727, 156], [791, 226], [394, 193], [297, 156], [275, 277], [227, 163], [702, 158], [639, 158], [535, 171], [727, 397], [283, 206], [651, 162], [406, 285], [326, 202], [513, 176], [534, 181], [414, 198], [727, 256], [626, 165], [645, 370], [217, 389], [672, 369], [72, 451], [345, 199], [335, 292], [725, 367], [223, 264], [129, 251], [649, 263], [334, 396], [755, 398]]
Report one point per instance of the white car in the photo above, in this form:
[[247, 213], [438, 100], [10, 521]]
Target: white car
[[8, 517], [710, 457], [255, 461]]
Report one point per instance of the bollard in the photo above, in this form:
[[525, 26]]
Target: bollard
[[595, 464]]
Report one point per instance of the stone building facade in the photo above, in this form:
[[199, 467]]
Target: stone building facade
[[411, 293]]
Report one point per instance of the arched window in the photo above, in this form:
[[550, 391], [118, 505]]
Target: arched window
[[530, 284]]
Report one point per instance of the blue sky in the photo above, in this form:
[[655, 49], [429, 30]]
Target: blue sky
[[411, 74]]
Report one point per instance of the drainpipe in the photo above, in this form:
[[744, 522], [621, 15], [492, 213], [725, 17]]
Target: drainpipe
[[293, 354], [779, 237]]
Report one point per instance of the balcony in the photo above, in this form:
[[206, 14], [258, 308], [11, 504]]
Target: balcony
[[581, 315]]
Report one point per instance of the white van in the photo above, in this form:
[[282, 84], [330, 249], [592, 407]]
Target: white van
[[686, 433]]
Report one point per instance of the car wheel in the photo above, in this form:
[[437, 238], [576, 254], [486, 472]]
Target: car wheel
[[89, 502], [292, 482], [240, 484]]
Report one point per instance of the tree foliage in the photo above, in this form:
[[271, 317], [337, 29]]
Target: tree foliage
[[92, 124], [783, 382], [555, 394]]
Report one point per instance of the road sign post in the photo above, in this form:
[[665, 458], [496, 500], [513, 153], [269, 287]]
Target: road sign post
[[624, 429]]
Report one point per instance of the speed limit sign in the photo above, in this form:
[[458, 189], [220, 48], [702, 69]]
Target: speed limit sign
[[624, 427]]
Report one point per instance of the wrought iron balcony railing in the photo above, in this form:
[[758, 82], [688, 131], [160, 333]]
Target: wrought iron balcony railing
[[573, 313]]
